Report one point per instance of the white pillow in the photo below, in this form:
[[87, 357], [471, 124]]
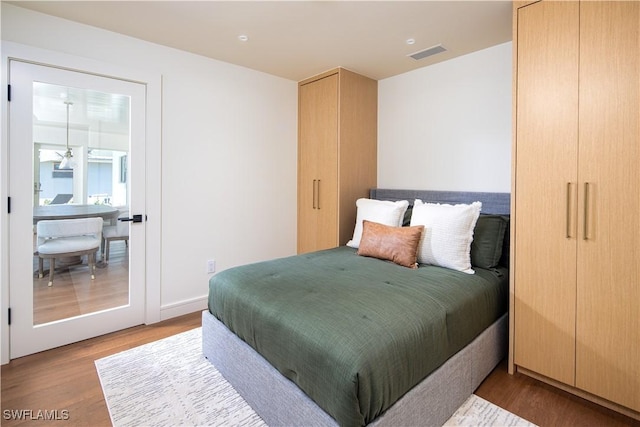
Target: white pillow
[[448, 233], [380, 211]]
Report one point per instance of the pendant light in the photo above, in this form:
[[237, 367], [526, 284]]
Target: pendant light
[[68, 161]]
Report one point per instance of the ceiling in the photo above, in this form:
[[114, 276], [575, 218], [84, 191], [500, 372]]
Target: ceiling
[[299, 39]]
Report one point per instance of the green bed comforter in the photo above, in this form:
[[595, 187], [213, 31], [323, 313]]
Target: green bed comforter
[[355, 333]]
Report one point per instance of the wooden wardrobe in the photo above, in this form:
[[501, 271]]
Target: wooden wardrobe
[[337, 155], [575, 291]]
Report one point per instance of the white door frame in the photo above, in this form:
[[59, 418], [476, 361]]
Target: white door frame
[[153, 149]]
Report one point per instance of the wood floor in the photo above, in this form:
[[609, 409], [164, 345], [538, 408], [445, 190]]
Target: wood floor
[[545, 405], [65, 379], [74, 292]]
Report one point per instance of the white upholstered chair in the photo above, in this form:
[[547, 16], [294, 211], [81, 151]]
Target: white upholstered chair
[[67, 238], [119, 231]]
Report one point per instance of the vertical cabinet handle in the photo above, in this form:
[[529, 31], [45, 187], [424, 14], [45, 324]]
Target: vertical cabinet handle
[[316, 194], [586, 211], [313, 197], [568, 210]]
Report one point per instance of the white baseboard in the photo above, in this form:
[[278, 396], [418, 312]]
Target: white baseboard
[[183, 307]]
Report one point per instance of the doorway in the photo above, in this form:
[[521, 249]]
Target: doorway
[[76, 155]]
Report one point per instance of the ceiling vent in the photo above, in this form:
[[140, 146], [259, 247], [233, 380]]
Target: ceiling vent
[[428, 52]]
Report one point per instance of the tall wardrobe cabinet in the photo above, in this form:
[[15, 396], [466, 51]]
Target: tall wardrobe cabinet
[[576, 193], [337, 155]]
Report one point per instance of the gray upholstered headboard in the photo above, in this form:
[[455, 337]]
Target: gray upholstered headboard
[[492, 203]]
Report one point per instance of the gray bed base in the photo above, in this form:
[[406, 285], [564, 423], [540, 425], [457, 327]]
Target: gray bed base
[[430, 403], [279, 402]]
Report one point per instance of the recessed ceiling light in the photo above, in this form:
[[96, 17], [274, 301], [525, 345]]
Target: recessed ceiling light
[[243, 37], [411, 41]]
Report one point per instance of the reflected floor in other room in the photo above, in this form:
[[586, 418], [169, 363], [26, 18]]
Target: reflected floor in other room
[[74, 293]]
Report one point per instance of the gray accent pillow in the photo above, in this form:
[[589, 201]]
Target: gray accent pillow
[[488, 240]]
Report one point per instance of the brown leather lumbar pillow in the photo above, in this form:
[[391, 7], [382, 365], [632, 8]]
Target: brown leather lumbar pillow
[[397, 244]]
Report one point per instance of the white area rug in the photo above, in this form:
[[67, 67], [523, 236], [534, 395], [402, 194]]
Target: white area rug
[[170, 383], [478, 412]]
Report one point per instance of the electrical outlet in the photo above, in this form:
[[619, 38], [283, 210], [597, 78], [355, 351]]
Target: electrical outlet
[[211, 266]]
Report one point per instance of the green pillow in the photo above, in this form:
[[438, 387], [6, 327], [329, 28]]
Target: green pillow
[[488, 240], [504, 261], [406, 220]]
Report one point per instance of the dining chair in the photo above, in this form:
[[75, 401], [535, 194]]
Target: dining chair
[[67, 238], [119, 231]]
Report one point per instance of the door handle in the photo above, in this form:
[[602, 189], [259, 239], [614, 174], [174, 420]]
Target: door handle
[[585, 231], [568, 210], [135, 218], [316, 194], [313, 197]]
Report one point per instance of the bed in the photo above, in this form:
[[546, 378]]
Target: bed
[[419, 341]]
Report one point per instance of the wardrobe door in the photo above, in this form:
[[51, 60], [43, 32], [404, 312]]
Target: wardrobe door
[[327, 160], [608, 297], [317, 163], [545, 186], [358, 146]]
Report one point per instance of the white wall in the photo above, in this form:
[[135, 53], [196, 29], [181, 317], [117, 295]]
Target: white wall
[[229, 143], [229, 152], [448, 126]]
